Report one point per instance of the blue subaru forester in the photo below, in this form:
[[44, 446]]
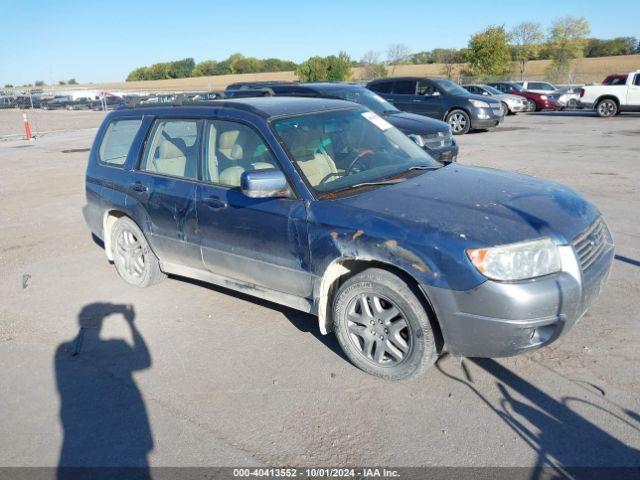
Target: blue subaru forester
[[323, 206]]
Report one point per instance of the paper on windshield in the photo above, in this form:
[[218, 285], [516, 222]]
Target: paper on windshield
[[378, 121]]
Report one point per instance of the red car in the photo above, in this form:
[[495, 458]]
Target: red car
[[615, 79], [537, 101]]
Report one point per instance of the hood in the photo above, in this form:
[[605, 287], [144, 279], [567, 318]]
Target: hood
[[418, 124], [508, 96], [481, 206], [482, 98]]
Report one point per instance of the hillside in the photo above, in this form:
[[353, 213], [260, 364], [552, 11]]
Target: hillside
[[587, 70]]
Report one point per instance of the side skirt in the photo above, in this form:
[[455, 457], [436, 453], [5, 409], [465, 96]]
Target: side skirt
[[303, 304]]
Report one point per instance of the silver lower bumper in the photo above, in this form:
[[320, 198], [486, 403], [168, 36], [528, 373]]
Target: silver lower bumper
[[498, 319]]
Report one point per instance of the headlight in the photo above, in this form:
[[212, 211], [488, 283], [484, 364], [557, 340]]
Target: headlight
[[543, 97], [478, 103], [517, 261]]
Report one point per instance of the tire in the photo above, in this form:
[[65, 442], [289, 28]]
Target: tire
[[376, 311], [532, 106], [459, 122], [607, 108], [134, 260], [505, 109], [572, 104]]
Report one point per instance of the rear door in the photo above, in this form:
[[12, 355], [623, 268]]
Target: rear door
[[164, 186], [403, 95], [260, 241], [633, 93]]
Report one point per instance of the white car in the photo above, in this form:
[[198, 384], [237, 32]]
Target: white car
[[538, 87], [609, 100], [511, 104]]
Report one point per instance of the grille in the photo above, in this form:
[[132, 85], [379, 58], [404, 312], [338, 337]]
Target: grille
[[592, 243], [437, 140]]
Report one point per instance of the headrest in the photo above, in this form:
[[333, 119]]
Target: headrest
[[169, 150], [228, 139]]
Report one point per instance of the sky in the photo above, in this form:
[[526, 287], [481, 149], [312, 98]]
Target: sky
[[104, 41]]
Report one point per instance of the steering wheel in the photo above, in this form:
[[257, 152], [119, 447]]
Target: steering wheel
[[359, 157]]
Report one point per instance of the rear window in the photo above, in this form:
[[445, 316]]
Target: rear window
[[381, 87], [405, 87], [117, 141]]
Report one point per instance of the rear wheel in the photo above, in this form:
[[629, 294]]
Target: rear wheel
[[132, 256], [382, 326], [459, 122], [607, 108]]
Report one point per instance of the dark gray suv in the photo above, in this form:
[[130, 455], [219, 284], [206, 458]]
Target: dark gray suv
[[441, 99]]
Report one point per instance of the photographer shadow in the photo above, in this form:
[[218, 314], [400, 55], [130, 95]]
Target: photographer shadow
[[103, 415]]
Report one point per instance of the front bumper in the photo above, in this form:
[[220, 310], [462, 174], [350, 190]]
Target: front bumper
[[549, 105], [498, 319], [446, 154]]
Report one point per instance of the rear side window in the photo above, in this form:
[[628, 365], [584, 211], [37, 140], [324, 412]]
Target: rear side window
[[381, 87], [406, 87], [117, 141], [173, 149], [636, 80]]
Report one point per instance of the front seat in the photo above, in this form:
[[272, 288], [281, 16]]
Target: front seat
[[313, 160], [171, 160], [231, 175]]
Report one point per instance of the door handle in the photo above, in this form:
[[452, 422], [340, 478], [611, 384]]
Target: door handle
[[214, 202], [139, 187]]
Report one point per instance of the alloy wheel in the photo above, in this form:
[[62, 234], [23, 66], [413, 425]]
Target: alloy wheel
[[607, 108], [379, 330], [130, 254], [457, 122]]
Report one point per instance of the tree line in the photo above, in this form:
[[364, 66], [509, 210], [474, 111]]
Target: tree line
[[494, 51], [234, 64]]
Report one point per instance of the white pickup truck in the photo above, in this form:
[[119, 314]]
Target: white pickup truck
[[609, 100]]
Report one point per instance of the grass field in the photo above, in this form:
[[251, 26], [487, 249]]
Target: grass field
[[587, 70]]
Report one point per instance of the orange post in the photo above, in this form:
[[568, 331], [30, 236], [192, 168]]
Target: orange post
[[27, 128]]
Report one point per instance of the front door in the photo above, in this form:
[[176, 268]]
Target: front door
[[260, 241], [633, 94]]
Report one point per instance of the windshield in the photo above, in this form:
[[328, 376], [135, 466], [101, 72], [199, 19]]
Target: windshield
[[342, 149], [491, 90], [365, 97], [450, 87], [517, 87]]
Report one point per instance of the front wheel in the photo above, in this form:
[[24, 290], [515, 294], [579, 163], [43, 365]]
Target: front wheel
[[607, 108], [505, 109], [531, 105], [134, 260], [459, 122], [382, 326]]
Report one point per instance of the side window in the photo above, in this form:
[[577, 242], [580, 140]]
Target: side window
[[173, 149], [231, 149], [405, 87], [382, 87], [636, 81], [425, 88], [117, 141]]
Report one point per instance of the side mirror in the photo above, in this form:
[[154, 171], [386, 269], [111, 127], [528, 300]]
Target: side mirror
[[417, 139], [265, 183], [486, 94]]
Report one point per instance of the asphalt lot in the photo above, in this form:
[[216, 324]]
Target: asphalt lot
[[211, 377]]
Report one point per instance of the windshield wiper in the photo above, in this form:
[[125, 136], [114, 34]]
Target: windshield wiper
[[424, 167], [391, 181]]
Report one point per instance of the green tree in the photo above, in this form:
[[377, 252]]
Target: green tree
[[527, 40], [39, 83], [61, 82], [138, 74], [373, 67], [566, 42], [72, 81], [338, 68], [331, 68], [181, 68], [489, 52], [8, 85], [246, 65], [205, 69]]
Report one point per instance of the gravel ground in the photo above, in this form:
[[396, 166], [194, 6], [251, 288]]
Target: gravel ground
[[213, 377]]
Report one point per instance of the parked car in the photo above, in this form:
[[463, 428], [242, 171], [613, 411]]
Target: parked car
[[56, 103], [28, 101], [511, 104], [7, 102], [441, 99], [537, 86], [433, 135], [110, 102], [615, 79], [536, 101], [324, 206], [567, 97], [609, 100]]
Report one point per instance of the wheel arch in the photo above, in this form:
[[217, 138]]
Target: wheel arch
[[343, 268], [607, 96], [456, 107]]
